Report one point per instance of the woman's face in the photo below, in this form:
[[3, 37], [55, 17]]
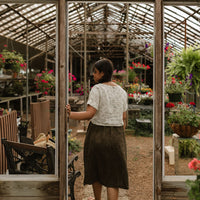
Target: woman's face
[[97, 75]]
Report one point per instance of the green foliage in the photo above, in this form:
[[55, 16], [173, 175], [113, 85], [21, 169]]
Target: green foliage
[[175, 85], [14, 60], [194, 189], [18, 87], [142, 130], [131, 75], [74, 145], [186, 65], [45, 82], [188, 148], [184, 116]]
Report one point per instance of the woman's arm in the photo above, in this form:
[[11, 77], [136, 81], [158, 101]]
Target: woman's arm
[[83, 115], [124, 119]]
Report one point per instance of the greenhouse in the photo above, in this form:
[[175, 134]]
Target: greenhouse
[[50, 52]]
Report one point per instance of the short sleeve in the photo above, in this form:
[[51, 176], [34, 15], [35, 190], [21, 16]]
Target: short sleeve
[[93, 99]]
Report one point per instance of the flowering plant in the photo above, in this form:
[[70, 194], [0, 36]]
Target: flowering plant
[[74, 145], [139, 98], [45, 82], [186, 65], [120, 72], [194, 185], [169, 105], [79, 89], [175, 85], [168, 51], [140, 66], [12, 60], [185, 115], [2, 61]]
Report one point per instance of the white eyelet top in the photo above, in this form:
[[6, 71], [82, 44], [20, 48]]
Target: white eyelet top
[[110, 103]]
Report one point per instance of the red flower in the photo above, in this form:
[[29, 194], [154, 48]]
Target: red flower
[[170, 105], [148, 67], [192, 104]]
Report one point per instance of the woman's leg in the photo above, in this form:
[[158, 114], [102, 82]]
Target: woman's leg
[[97, 190], [112, 193]]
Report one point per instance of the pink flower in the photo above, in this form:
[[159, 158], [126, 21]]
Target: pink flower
[[45, 92], [43, 81], [50, 71], [173, 81], [5, 45], [39, 75], [194, 164]]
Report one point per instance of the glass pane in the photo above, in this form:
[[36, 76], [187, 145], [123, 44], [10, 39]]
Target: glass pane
[[182, 118], [27, 89]]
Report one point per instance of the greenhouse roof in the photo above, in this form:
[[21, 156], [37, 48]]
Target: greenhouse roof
[[105, 25]]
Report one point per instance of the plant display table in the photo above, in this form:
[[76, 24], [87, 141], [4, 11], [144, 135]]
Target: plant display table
[[9, 99], [181, 165]]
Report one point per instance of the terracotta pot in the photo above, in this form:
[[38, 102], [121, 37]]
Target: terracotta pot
[[183, 130], [14, 75]]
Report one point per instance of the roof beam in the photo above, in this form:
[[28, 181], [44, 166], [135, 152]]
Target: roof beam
[[30, 22]]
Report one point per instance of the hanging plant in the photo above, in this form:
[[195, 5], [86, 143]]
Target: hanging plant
[[186, 65], [11, 60]]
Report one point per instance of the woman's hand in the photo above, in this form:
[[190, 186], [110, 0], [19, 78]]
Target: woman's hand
[[68, 107]]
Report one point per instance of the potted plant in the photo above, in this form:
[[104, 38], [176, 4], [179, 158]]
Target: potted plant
[[2, 62], [194, 185], [175, 87], [12, 60], [45, 83], [184, 121], [186, 65]]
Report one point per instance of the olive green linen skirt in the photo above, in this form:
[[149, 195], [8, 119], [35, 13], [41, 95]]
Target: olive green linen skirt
[[105, 156]]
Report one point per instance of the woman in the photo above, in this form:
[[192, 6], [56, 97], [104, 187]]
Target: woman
[[105, 147]]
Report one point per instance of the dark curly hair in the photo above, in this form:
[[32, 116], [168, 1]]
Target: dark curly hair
[[106, 66]]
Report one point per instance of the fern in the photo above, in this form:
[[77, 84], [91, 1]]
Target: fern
[[186, 65]]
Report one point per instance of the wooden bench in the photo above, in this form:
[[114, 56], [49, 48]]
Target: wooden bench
[[144, 121], [170, 152], [28, 159], [25, 158], [8, 129]]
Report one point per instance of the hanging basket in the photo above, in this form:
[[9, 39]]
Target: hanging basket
[[184, 131], [175, 97]]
